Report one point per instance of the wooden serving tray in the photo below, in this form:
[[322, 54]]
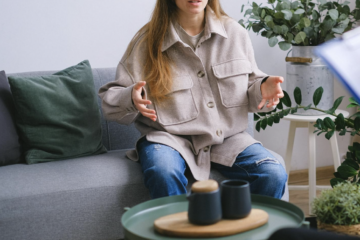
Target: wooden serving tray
[[178, 225]]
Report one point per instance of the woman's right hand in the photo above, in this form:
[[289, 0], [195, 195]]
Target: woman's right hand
[[140, 102]]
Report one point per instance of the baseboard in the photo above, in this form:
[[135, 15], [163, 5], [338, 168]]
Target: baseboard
[[303, 175]]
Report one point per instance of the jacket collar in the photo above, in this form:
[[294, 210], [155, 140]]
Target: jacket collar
[[212, 25]]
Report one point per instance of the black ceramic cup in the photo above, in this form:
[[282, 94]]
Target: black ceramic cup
[[235, 199], [205, 207]]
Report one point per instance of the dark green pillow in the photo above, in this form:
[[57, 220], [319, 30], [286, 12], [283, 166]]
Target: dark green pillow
[[57, 115]]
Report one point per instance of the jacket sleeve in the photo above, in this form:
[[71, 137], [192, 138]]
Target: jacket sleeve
[[116, 97], [255, 79]]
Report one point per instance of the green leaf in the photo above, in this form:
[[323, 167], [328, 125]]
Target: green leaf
[[264, 123], [300, 37], [242, 8], [299, 11], [352, 100], [351, 163], [273, 41], [347, 171], [309, 31], [276, 118], [288, 14], [256, 117], [281, 114], [286, 99], [329, 123], [334, 14], [284, 45], [351, 105], [340, 121], [337, 102], [294, 110], [271, 1], [357, 3], [290, 37], [284, 29], [297, 95], [328, 135], [277, 29], [357, 123], [317, 95], [307, 107], [306, 22], [241, 22], [258, 125], [319, 123], [336, 181], [270, 24], [338, 30], [280, 106], [257, 27], [270, 121], [343, 17], [263, 13], [356, 146], [357, 154], [286, 111], [323, 1], [328, 24], [279, 15], [342, 132], [268, 18], [315, 15], [248, 12], [337, 175]]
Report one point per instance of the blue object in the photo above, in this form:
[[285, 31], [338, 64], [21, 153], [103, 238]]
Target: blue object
[[342, 56]]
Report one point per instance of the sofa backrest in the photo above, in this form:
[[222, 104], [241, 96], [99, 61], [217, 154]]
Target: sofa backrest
[[114, 135]]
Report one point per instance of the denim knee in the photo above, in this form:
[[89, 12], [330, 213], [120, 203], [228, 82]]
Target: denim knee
[[273, 175]]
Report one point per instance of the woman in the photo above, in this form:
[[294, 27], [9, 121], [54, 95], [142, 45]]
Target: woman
[[188, 80]]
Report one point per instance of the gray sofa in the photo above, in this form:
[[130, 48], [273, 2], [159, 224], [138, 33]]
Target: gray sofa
[[81, 198]]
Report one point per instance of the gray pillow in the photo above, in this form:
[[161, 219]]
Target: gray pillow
[[9, 139]]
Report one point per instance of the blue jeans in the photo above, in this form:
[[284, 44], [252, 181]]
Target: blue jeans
[[164, 170]]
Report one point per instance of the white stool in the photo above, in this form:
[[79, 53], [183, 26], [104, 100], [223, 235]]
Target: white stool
[[297, 121]]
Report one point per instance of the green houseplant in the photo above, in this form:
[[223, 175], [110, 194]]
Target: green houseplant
[[338, 209], [349, 169], [300, 22], [302, 25]]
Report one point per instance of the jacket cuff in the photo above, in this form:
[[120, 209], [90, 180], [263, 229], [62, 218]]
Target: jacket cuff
[[126, 100]]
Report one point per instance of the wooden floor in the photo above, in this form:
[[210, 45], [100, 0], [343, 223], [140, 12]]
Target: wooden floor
[[300, 177]]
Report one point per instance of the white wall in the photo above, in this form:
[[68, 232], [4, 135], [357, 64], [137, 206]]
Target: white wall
[[52, 35]]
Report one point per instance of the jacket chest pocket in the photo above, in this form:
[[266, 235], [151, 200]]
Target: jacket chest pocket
[[180, 107], [232, 80]]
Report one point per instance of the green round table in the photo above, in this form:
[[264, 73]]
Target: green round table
[[138, 222]]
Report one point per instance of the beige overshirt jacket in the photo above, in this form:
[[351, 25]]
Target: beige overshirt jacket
[[214, 88]]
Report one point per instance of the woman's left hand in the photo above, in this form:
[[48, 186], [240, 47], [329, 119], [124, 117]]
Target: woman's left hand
[[271, 91]]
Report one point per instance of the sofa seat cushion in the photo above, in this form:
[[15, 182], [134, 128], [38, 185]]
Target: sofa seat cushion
[[86, 196]]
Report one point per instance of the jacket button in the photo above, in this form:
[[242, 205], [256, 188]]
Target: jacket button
[[206, 149], [201, 74], [210, 104], [218, 132]]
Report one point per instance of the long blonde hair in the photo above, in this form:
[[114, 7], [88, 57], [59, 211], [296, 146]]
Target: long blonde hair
[[157, 67]]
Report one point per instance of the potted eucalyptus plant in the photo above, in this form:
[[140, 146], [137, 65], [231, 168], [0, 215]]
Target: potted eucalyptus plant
[[302, 25]]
